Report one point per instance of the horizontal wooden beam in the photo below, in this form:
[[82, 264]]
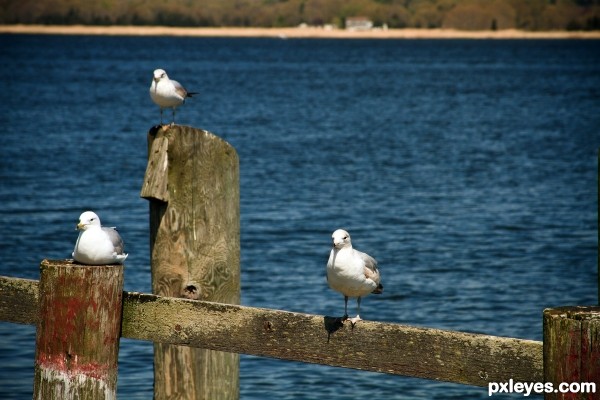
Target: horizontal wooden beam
[[19, 300], [460, 357]]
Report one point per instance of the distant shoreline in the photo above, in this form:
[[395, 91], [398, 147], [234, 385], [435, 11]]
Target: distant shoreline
[[291, 33]]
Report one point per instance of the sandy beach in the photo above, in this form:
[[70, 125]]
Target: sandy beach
[[299, 32]]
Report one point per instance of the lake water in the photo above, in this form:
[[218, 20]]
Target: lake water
[[467, 168]]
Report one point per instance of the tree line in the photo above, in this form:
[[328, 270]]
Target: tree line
[[533, 15]]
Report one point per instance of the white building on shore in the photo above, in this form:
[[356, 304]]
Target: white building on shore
[[359, 24]]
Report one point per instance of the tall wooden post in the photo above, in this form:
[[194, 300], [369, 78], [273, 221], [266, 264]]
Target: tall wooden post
[[192, 183], [78, 330], [572, 351]]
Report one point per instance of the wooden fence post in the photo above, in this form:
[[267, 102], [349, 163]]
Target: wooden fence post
[[572, 350], [192, 183], [78, 330]]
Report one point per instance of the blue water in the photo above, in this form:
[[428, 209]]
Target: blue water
[[467, 168]]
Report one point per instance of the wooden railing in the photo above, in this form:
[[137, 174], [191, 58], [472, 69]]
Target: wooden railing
[[467, 358]]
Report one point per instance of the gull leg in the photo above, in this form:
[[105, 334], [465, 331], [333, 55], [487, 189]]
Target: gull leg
[[161, 116], [354, 320], [345, 317], [173, 123]]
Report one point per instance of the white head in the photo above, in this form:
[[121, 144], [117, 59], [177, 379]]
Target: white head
[[159, 74], [341, 239], [88, 219]]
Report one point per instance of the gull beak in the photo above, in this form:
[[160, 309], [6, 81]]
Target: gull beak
[[79, 226]]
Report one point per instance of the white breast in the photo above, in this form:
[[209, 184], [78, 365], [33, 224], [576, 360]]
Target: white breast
[[164, 94], [346, 273], [94, 247]]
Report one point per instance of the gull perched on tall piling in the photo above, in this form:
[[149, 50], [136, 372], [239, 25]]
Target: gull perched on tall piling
[[351, 272], [167, 93], [97, 245]]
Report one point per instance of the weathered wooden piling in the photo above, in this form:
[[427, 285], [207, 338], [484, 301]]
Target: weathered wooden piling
[[78, 330], [572, 351], [192, 183]]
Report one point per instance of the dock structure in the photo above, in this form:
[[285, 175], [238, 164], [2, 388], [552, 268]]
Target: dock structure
[[192, 184], [570, 351], [198, 328]]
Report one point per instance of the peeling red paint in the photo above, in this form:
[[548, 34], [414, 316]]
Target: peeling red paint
[[80, 321], [57, 362]]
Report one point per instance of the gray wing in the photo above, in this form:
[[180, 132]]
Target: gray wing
[[370, 263], [116, 240], [371, 270], [179, 89]]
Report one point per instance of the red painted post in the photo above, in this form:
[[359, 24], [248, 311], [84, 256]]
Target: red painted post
[[78, 330], [572, 353]]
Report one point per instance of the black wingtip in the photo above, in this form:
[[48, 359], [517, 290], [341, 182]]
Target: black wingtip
[[378, 290]]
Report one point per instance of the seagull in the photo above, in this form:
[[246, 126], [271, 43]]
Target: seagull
[[167, 93], [351, 272], [97, 245]]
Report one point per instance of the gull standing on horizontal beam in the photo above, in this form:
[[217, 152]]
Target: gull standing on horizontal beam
[[351, 272], [167, 93]]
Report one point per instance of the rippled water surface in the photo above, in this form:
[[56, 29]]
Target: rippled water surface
[[467, 168]]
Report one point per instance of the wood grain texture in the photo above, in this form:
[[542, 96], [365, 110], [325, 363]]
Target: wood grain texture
[[19, 300], [572, 349], [78, 331], [195, 235], [460, 357], [155, 178], [195, 249]]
